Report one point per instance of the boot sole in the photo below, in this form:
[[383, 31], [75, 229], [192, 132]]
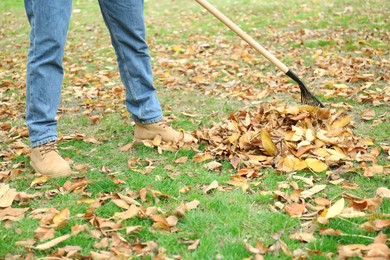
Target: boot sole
[[53, 176]]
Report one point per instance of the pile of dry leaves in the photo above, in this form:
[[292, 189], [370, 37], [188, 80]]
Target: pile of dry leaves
[[290, 138]]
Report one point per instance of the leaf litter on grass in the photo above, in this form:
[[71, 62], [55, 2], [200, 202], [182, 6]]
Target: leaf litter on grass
[[278, 137], [291, 139]]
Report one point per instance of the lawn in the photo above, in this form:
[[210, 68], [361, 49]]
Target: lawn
[[207, 201]]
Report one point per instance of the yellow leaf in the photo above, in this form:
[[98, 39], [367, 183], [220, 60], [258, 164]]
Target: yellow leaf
[[268, 144], [39, 180], [316, 165], [310, 135], [177, 48], [61, 216], [340, 123], [234, 137], [336, 209]]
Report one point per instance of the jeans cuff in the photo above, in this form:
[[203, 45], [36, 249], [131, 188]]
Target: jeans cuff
[[44, 141], [149, 121]]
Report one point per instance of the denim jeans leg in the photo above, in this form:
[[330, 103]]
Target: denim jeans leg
[[125, 22], [49, 21]]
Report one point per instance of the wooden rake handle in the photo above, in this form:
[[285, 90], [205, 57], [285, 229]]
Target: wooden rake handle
[[214, 11]]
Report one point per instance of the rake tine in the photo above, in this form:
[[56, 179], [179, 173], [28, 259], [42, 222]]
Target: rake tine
[[307, 97]]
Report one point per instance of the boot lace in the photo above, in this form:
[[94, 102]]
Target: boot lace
[[163, 124], [47, 148]]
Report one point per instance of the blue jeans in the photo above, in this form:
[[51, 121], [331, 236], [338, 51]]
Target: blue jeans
[[49, 21]]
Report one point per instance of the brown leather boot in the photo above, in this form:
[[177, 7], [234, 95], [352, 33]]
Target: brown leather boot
[[46, 160], [167, 133]]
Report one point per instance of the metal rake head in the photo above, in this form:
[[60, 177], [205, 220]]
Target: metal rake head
[[307, 97]]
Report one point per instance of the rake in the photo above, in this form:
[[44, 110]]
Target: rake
[[307, 97]]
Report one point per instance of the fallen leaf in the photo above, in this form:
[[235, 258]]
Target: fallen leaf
[[339, 123], [7, 197], [335, 209], [133, 229], [330, 232], [268, 144], [53, 242], [61, 217], [213, 166], [194, 245], [213, 185], [130, 213], [376, 225], [383, 192], [183, 159], [316, 165], [303, 237], [312, 191], [295, 209]]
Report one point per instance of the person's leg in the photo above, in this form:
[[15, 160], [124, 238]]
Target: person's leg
[[49, 25], [125, 21], [49, 22]]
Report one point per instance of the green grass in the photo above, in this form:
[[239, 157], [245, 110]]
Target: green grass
[[225, 218]]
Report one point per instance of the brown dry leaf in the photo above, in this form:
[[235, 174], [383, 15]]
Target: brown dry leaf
[[102, 255], [322, 202], [7, 196], [180, 160], [330, 232], [303, 237], [172, 221], [383, 192], [368, 114], [348, 251], [25, 243], [366, 204], [201, 157], [183, 208], [104, 243], [121, 203], [268, 144], [127, 199], [180, 211], [295, 209], [213, 166], [376, 225], [251, 249], [160, 223], [194, 245], [192, 205], [213, 185], [133, 229], [44, 233], [4, 188], [53, 242], [12, 214], [129, 213], [314, 190], [308, 181], [126, 147], [304, 138]]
